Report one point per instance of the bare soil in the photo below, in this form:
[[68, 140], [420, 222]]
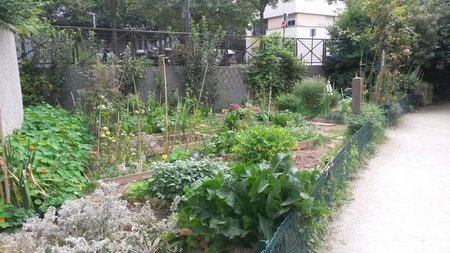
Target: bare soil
[[311, 158]]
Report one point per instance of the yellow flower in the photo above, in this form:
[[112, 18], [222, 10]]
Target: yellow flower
[[80, 186], [164, 157], [2, 219], [31, 147]]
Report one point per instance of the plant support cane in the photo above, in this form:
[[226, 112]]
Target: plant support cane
[[4, 164], [166, 144]]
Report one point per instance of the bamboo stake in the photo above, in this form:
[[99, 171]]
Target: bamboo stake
[[270, 102], [203, 84], [4, 163], [166, 148]]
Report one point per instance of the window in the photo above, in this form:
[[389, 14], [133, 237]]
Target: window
[[290, 20]]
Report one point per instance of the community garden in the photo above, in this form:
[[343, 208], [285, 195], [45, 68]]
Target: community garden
[[168, 172]]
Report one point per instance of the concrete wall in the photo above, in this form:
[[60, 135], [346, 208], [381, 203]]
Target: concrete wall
[[10, 92], [231, 85]]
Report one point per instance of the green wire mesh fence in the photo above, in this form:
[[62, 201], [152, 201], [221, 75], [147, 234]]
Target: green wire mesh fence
[[290, 237]]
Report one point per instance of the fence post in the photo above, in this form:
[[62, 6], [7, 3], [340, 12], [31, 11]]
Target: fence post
[[357, 88]]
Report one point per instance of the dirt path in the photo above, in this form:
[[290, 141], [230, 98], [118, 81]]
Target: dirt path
[[401, 202]]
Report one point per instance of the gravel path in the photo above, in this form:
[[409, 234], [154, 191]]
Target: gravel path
[[401, 201]]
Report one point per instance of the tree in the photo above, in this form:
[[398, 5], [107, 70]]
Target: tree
[[274, 68], [21, 15], [349, 45], [260, 6]]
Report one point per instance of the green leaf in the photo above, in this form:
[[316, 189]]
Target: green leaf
[[265, 226]]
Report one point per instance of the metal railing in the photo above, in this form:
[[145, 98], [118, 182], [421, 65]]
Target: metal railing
[[234, 49]]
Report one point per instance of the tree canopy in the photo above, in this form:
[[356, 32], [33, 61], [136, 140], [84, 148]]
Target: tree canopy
[[21, 16], [395, 34]]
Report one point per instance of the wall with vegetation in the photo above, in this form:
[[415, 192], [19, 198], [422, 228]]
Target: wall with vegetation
[[10, 92], [231, 84]]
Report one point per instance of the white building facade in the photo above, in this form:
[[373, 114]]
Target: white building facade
[[307, 22], [302, 17]]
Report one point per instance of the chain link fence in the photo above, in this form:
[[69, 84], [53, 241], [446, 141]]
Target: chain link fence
[[290, 237]]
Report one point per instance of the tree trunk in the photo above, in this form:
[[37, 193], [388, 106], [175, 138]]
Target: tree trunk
[[114, 46], [261, 26]]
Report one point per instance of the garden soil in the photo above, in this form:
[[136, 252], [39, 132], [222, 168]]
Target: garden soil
[[401, 201]]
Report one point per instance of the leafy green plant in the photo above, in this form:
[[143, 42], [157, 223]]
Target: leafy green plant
[[232, 118], [133, 72], [287, 118], [169, 179], [47, 158], [288, 101], [258, 143], [281, 119], [247, 204], [179, 154], [138, 191], [306, 133], [219, 143], [369, 113], [337, 117], [274, 68], [37, 87], [12, 216], [201, 57], [311, 92]]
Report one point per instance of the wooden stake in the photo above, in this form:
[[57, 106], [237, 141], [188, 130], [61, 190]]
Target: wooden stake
[[4, 163], [166, 148], [203, 84]]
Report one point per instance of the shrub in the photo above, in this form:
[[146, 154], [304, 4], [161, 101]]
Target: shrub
[[258, 143], [287, 118], [47, 157], [37, 87], [275, 66], [101, 222], [288, 101], [369, 113], [337, 117], [281, 119], [248, 203], [179, 154], [310, 91], [169, 179], [232, 118], [304, 133]]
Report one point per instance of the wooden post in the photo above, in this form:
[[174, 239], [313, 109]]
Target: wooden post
[[357, 88]]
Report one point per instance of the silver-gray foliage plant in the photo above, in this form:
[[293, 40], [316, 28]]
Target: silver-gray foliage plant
[[101, 222]]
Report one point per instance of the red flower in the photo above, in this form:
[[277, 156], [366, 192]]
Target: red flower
[[234, 107], [44, 171], [185, 231], [93, 153]]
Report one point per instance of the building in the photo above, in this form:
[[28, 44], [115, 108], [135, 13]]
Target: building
[[303, 17], [307, 22]]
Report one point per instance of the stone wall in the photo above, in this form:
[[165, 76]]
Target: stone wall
[[10, 91]]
